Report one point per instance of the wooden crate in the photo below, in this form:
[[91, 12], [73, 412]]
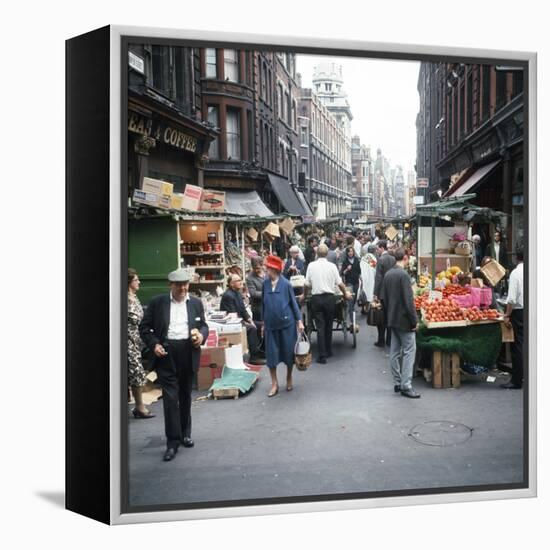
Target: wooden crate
[[445, 370], [225, 393]]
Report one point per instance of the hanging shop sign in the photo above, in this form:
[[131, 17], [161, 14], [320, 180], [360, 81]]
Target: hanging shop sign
[[140, 124], [422, 183]]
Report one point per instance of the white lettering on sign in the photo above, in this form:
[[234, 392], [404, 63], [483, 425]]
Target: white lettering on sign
[[136, 62]]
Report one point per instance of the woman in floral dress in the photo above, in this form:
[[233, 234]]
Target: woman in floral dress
[[136, 372]]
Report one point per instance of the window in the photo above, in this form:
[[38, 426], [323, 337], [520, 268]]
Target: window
[[485, 91], [231, 65], [214, 119], [160, 68], [304, 166], [233, 135], [461, 111], [250, 130], [303, 135], [501, 89], [211, 63], [455, 116], [328, 87], [517, 83], [469, 105], [263, 79]]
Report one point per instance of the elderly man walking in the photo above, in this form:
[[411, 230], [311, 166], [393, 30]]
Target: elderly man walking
[[173, 328], [323, 279], [398, 301]]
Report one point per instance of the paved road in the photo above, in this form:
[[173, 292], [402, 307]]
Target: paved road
[[342, 429]]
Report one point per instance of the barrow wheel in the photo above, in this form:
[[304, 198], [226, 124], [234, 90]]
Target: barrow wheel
[[354, 332], [345, 331]]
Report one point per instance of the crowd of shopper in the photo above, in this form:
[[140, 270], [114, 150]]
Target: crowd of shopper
[[365, 269]]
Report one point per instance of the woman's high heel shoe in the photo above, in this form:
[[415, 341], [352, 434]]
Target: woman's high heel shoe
[[139, 414], [273, 392]]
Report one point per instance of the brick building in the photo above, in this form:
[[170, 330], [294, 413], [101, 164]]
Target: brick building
[[470, 136]]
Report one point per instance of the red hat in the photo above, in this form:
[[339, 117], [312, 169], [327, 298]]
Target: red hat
[[274, 262]]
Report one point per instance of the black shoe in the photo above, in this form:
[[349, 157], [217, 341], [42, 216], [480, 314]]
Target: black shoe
[[257, 361], [322, 360], [410, 393], [187, 442], [511, 386], [139, 414], [379, 344], [397, 388], [170, 454], [329, 354]]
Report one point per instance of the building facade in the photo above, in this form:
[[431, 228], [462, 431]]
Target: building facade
[[166, 136], [324, 166], [362, 177], [470, 136]]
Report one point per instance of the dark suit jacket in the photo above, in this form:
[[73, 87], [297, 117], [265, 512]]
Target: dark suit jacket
[[233, 302], [352, 276], [384, 264], [397, 298], [153, 329], [502, 254]]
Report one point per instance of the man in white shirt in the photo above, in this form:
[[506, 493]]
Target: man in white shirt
[[322, 280], [173, 328], [514, 315]]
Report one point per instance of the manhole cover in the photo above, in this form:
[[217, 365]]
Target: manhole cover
[[441, 433]]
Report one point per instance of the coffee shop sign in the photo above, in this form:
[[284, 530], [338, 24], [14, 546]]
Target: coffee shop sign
[[171, 136]]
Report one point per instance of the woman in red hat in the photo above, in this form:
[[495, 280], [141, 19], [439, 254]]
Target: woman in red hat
[[282, 320]]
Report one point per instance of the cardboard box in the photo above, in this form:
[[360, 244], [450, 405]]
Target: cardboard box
[[165, 201], [212, 356], [192, 197], [176, 202], [141, 197], [493, 272], [228, 339], [206, 376], [158, 187], [213, 201]]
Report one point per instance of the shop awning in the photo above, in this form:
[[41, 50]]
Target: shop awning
[[469, 184], [246, 202], [288, 197]]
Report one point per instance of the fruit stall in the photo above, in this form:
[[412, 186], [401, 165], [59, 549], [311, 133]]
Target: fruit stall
[[459, 329]]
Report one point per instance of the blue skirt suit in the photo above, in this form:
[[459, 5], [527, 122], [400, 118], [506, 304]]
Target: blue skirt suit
[[280, 314]]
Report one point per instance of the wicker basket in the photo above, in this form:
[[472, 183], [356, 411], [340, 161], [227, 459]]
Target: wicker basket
[[302, 362]]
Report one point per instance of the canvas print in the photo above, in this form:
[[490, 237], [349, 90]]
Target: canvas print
[[325, 275]]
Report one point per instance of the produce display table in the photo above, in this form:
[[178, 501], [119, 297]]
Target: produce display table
[[476, 344]]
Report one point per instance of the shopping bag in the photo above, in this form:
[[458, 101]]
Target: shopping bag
[[297, 281], [375, 315], [302, 352], [362, 298], [507, 332]]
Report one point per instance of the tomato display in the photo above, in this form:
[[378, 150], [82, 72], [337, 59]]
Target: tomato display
[[455, 290], [442, 311], [475, 315]]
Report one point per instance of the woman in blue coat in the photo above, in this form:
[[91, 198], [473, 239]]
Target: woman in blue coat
[[282, 321]]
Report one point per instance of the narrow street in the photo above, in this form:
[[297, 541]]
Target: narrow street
[[342, 429]]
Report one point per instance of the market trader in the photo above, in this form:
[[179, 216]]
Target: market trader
[[322, 278], [514, 314], [232, 302], [173, 328]]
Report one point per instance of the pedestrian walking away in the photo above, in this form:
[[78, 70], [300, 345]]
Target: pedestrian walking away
[[173, 328], [322, 278], [282, 322], [514, 316], [398, 301], [385, 262]]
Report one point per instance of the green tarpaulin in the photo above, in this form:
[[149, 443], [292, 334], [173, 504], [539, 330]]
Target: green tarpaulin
[[235, 378], [479, 345]]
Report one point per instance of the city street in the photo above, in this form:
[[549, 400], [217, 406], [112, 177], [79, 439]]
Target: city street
[[342, 429]]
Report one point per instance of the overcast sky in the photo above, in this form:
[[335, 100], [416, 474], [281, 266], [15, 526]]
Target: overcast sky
[[383, 100]]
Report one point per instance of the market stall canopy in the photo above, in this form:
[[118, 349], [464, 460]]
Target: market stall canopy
[[288, 197], [458, 208], [246, 203], [462, 187]]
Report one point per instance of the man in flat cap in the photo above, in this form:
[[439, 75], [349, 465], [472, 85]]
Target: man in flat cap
[[167, 329]]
